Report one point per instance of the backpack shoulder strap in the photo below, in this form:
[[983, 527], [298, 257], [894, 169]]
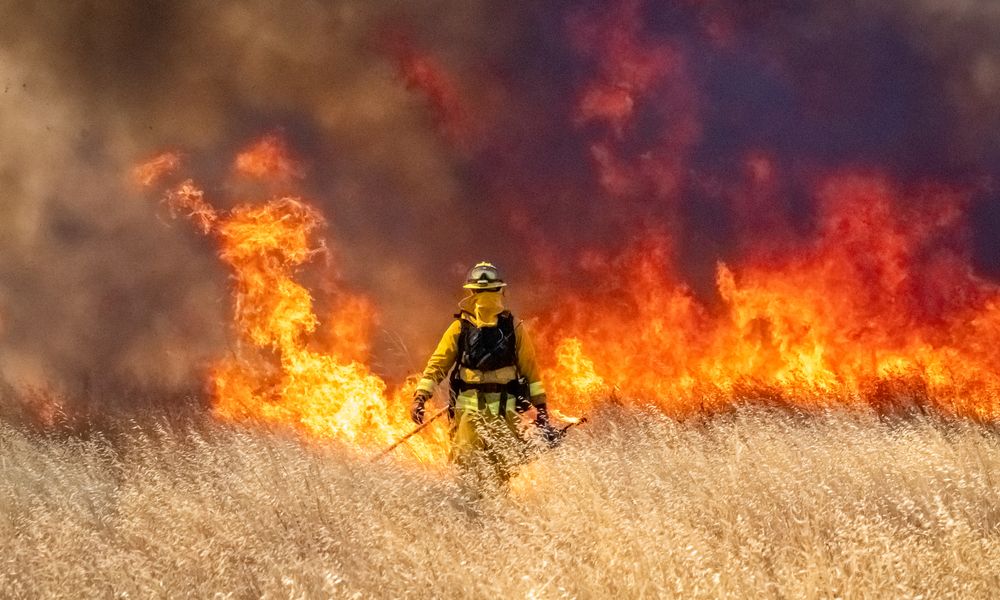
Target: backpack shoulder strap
[[508, 327], [505, 321], [462, 338]]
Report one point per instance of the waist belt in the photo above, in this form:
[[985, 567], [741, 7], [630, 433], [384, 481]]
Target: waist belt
[[487, 388], [513, 388]]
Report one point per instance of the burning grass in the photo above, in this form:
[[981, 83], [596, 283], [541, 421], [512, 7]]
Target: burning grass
[[753, 503]]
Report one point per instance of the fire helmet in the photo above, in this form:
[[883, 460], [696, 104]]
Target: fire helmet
[[484, 276]]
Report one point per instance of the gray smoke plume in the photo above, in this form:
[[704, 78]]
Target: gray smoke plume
[[95, 282]]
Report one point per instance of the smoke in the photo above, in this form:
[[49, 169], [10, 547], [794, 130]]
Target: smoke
[[434, 135], [93, 283]]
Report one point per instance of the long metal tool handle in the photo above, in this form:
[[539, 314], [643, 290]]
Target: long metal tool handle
[[415, 431], [562, 431], [572, 424]]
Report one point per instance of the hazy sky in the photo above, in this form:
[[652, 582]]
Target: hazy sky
[[436, 134]]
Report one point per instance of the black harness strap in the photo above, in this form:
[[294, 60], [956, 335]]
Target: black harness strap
[[502, 355], [506, 390]]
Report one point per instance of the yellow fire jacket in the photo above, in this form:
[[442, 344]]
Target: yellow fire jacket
[[482, 310]]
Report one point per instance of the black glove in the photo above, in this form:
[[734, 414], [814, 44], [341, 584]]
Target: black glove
[[541, 416], [522, 402], [550, 434], [417, 409]]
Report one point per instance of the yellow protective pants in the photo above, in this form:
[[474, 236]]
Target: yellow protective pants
[[486, 447]]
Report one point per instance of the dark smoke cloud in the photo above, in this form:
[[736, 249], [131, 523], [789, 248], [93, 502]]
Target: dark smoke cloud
[[96, 282]]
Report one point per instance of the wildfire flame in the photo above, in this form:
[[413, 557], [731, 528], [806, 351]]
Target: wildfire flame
[[285, 370], [872, 309], [268, 158], [153, 170]]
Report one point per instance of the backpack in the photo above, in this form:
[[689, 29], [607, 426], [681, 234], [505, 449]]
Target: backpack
[[488, 348]]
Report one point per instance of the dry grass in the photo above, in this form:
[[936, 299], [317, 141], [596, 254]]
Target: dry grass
[[758, 503]]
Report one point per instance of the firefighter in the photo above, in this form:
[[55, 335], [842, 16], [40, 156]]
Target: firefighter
[[494, 376]]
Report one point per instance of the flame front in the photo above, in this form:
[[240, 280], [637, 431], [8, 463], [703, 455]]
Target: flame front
[[285, 369], [328, 394], [872, 310]]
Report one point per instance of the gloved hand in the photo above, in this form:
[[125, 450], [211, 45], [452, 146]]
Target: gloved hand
[[550, 434], [541, 415], [417, 408]]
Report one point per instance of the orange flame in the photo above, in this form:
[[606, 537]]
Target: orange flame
[[877, 307], [154, 169], [268, 158], [875, 299], [190, 200], [283, 370]]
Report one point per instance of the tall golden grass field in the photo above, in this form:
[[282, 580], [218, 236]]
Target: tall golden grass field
[[757, 504]]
